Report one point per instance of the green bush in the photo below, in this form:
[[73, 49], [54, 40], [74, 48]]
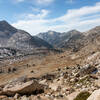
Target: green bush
[[82, 96]]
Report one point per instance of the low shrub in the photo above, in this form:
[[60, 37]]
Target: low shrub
[[82, 96]]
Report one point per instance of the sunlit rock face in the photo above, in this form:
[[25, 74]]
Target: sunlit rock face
[[19, 39]]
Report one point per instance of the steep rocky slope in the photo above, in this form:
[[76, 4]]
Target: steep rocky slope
[[6, 31], [51, 37], [94, 35], [12, 39], [58, 39], [68, 40], [73, 40], [23, 40], [19, 39], [88, 41]]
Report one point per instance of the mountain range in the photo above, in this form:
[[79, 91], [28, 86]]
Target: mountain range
[[73, 40], [19, 39]]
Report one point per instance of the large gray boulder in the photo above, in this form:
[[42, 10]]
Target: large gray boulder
[[95, 95], [22, 88]]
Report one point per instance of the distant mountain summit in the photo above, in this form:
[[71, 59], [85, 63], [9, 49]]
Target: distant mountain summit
[[73, 40], [51, 37], [19, 39], [61, 40], [6, 27]]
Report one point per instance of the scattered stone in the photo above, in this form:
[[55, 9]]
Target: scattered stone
[[3, 97], [97, 83], [48, 76], [16, 96], [72, 96], [24, 98], [88, 69]]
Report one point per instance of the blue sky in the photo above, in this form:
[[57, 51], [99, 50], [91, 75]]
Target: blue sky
[[35, 16]]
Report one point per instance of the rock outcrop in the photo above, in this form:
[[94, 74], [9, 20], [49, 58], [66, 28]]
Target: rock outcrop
[[22, 87], [19, 39], [95, 95]]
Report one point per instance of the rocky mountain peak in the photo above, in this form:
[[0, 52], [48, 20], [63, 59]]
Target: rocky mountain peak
[[73, 32], [3, 22], [93, 31], [19, 39], [56, 38], [51, 32], [97, 27], [6, 27]]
